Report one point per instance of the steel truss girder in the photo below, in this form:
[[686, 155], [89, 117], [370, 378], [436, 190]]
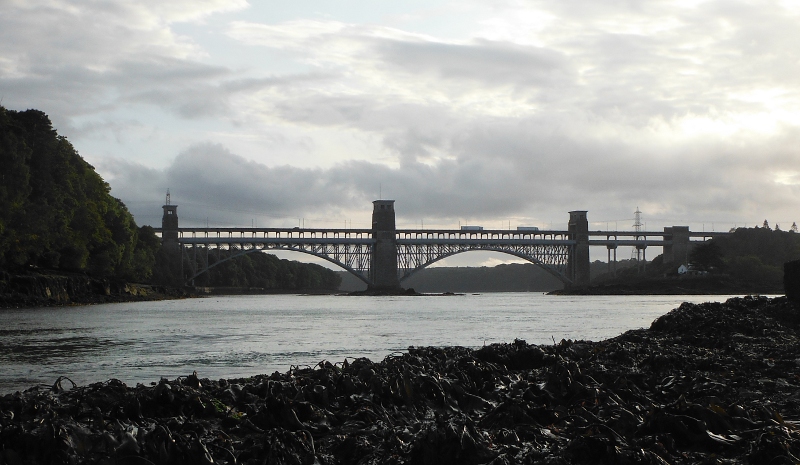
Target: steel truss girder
[[553, 258], [354, 253]]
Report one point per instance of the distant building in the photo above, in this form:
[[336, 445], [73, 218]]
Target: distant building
[[690, 270]]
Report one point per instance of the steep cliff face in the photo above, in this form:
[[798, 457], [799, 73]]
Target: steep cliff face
[[45, 290]]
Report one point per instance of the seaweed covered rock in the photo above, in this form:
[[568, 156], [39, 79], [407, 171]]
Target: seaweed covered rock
[[791, 281], [708, 383]]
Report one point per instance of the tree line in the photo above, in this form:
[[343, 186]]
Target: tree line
[[57, 213], [748, 259], [751, 255], [266, 271]]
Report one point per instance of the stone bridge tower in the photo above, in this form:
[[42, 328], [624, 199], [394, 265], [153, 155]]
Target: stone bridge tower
[[383, 272], [578, 267], [678, 251], [169, 225]]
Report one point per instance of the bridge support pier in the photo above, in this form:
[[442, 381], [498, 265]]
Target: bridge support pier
[[610, 269], [170, 245], [383, 270], [169, 226], [578, 266], [678, 252]]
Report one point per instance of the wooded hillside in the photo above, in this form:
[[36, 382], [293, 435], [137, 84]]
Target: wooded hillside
[[57, 214], [56, 211]]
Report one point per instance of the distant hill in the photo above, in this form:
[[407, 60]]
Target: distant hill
[[600, 271], [514, 277], [266, 271]]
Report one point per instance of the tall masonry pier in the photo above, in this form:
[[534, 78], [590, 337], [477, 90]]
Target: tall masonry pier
[[169, 225], [678, 251], [383, 273], [578, 265]]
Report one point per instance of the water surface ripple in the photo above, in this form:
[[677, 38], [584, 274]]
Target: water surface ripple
[[239, 336]]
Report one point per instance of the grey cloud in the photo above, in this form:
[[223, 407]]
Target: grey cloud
[[515, 181], [585, 144], [326, 110], [98, 57], [702, 57], [167, 70], [119, 130], [491, 63], [500, 165], [212, 174]]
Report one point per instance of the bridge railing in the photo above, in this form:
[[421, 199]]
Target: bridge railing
[[483, 234], [702, 234], [236, 234], [637, 237]]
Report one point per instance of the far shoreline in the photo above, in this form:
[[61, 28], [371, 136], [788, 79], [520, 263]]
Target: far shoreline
[[54, 290], [713, 285]]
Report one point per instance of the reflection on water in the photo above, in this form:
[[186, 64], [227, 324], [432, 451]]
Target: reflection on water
[[241, 336], [34, 350]]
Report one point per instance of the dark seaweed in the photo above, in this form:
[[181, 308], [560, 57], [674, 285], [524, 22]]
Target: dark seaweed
[[711, 383]]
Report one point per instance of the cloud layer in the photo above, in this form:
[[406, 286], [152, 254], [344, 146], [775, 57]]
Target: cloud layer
[[689, 110]]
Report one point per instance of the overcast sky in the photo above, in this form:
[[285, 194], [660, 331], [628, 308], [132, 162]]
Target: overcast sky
[[491, 112]]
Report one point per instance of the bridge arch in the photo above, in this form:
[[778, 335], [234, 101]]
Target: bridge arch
[[407, 273], [242, 252]]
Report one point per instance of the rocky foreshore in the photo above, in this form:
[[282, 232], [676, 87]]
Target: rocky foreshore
[[711, 383], [43, 290]]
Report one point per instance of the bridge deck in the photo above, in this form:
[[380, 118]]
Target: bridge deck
[[499, 237], [355, 249], [199, 240]]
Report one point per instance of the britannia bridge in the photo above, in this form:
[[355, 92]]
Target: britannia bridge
[[384, 256]]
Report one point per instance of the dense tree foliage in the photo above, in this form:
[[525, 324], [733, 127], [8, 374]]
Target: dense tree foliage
[[757, 255], [707, 257], [749, 258], [56, 211]]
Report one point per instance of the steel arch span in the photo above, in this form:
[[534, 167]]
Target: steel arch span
[[354, 258], [553, 258]]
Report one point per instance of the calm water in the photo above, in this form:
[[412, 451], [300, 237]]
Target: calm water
[[226, 337]]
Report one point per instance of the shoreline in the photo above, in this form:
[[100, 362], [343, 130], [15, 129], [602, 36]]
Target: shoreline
[[64, 290], [43, 289], [671, 286], [53, 290], [713, 381]]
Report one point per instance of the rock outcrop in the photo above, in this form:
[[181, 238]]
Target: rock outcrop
[[45, 290], [791, 281]]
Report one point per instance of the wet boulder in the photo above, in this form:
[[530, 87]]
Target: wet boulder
[[791, 281], [707, 383]]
